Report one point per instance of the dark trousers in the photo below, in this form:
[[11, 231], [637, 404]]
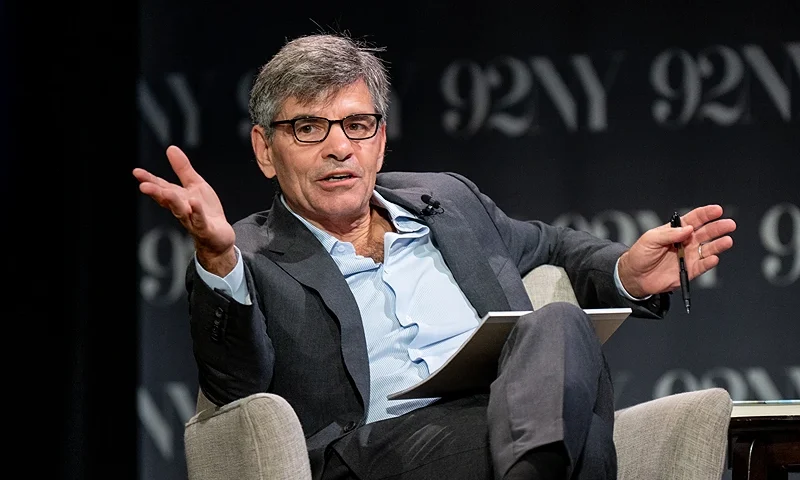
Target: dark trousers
[[553, 385]]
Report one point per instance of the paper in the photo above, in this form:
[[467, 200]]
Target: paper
[[474, 365]]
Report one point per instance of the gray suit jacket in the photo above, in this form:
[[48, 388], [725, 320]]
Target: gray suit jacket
[[302, 338]]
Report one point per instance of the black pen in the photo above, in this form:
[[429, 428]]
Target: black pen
[[675, 221]]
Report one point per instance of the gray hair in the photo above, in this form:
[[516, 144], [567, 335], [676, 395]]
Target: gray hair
[[313, 68]]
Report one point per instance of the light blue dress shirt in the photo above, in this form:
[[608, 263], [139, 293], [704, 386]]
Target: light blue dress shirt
[[414, 314]]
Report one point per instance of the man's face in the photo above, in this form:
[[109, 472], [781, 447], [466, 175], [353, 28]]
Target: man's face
[[329, 181]]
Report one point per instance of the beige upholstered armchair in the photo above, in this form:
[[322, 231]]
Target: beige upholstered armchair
[[679, 437]]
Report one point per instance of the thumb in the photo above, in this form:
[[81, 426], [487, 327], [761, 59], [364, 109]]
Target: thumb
[[182, 166], [668, 235]]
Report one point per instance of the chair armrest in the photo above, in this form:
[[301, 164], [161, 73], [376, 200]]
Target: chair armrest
[[256, 437], [679, 437]]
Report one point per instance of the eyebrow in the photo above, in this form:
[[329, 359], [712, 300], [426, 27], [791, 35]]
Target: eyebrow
[[305, 115]]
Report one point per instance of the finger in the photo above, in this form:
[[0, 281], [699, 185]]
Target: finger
[[182, 167], [155, 192], [177, 203], [714, 247], [146, 177], [157, 187], [702, 215], [667, 235], [151, 189], [170, 197], [715, 229], [142, 175], [703, 266]]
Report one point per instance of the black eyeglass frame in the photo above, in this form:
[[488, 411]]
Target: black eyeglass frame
[[378, 117]]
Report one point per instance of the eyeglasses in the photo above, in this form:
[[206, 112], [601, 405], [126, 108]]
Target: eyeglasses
[[359, 126]]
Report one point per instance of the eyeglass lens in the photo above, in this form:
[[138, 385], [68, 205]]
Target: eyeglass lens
[[356, 127]]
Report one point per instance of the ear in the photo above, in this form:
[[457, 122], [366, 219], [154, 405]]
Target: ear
[[262, 150], [382, 140]]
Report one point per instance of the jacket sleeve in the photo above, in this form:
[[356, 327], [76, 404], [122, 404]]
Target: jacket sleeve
[[233, 352], [588, 260]]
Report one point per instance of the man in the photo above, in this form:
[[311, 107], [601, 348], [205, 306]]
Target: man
[[357, 284]]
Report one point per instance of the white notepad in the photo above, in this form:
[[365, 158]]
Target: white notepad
[[474, 365]]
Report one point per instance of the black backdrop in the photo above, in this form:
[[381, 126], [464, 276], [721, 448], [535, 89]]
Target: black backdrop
[[602, 116]]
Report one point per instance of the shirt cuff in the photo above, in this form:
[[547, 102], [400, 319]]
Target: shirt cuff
[[622, 290], [233, 284]]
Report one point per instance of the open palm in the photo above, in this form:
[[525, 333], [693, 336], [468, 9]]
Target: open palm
[[194, 203]]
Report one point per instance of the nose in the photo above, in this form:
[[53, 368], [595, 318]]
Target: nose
[[337, 146]]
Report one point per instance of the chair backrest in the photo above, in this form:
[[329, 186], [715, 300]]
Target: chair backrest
[[202, 402], [548, 283]]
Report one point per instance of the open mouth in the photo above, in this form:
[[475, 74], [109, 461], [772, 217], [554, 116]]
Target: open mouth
[[338, 177]]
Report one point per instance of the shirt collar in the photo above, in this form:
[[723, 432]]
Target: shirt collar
[[403, 220]]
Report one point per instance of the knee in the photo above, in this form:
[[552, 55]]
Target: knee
[[559, 316], [559, 322]]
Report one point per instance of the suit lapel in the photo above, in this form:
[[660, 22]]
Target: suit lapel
[[459, 247], [301, 255]]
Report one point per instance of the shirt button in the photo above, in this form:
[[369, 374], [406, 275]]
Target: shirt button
[[219, 312], [340, 249], [349, 427]]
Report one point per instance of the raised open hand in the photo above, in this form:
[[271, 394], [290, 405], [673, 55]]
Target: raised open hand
[[195, 204], [651, 264]]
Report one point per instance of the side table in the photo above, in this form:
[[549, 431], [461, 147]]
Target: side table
[[764, 439]]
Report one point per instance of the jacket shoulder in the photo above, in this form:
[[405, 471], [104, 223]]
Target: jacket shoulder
[[427, 180], [252, 231]]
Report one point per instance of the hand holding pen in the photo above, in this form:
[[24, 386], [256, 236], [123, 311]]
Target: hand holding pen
[[651, 266]]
